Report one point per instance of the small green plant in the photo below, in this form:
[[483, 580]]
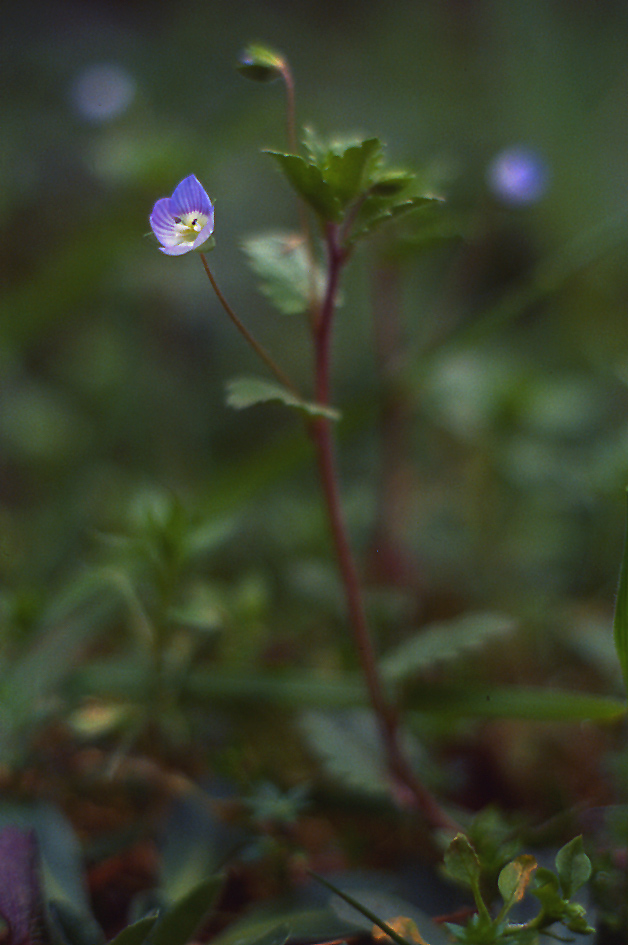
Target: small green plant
[[554, 891]]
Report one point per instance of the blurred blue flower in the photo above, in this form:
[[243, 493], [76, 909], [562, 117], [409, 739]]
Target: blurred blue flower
[[184, 221], [102, 92], [518, 176]]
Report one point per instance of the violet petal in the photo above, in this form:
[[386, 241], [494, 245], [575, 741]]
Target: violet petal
[[190, 197]]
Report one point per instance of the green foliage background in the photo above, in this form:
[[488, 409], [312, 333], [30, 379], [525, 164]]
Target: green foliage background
[[114, 358]]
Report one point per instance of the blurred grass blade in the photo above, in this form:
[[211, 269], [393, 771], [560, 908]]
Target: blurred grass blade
[[515, 702], [387, 929], [620, 622]]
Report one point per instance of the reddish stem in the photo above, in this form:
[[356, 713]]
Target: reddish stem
[[322, 434]]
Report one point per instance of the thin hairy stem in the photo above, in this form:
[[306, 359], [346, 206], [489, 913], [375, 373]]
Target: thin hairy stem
[[257, 347], [322, 434]]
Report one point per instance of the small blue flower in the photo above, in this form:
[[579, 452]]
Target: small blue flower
[[184, 221]]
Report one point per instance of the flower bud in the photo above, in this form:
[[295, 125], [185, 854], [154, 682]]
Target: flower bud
[[260, 64]]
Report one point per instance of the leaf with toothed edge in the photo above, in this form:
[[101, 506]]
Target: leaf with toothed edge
[[247, 391]]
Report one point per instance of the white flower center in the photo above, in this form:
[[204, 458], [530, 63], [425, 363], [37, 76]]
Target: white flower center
[[189, 225]]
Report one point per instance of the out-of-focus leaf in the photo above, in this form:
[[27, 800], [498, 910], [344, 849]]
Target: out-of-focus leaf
[[514, 879], [136, 933], [247, 391], [180, 922], [28, 687], [349, 749], [443, 641], [305, 924], [516, 702], [620, 623], [278, 936], [282, 261], [573, 866], [188, 853], [308, 182], [71, 926], [462, 863], [348, 745]]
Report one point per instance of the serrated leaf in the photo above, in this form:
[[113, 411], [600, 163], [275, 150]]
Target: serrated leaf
[[349, 748], [348, 172], [443, 641], [136, 933], [285, 268], [245, 392], [317, 149], [180, 923], [377, 210], [391, 183], [620, 622], [462, 862], [308, 181], [573, 865], [514, 879]]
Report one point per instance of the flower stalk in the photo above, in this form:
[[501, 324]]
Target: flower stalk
[[261, 352]]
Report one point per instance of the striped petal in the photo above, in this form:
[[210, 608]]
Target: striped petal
[[190, 197], [163, 223], [177, 250]]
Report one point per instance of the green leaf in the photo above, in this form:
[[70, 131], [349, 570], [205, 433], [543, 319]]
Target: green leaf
[[620, 624], [260, 63], [188, 849], [546, 888], [136, 933], [278, 936], [285, 268], [575, 919], [573, 865], [247, 391], [349, 748], [514, 879], [443, 641], [180, 923], [462, 862], [390, 183], [377, 210], [516, 702], [348, 173], [308, 181]]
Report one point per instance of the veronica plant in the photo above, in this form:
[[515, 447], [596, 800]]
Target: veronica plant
[[345, 192]]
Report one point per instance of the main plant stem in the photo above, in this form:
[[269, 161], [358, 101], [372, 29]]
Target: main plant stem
[[323, 437]]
